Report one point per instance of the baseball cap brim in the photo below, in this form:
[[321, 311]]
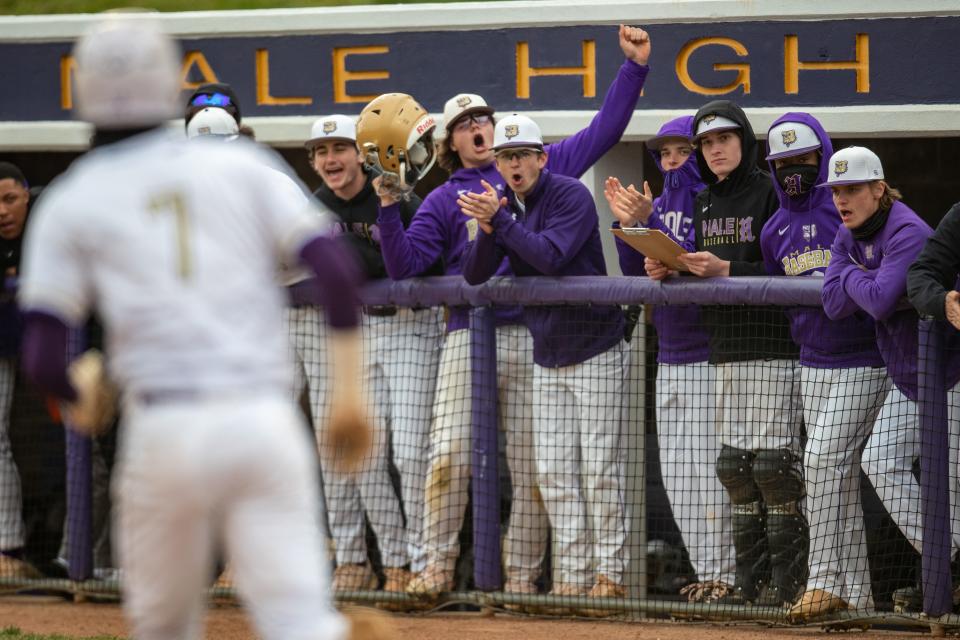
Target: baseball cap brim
[[519, 145], [656, 142], [836, 183], [315, 141], [466, 112], [793, 152]]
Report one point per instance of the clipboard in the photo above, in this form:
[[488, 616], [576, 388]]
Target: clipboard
[[654, 244]]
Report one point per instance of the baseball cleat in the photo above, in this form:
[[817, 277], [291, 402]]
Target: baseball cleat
[[354, 577], [815, 603], [431, 582]]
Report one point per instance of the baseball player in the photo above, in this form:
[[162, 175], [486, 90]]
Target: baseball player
[[201, 369], [758, 410], [441, 230], [842, 379], [15, 203], [401, 354], [548, 227], [879, 240], [685, 380]]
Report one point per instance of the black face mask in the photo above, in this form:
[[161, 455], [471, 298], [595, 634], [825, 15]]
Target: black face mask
[[797, 179]]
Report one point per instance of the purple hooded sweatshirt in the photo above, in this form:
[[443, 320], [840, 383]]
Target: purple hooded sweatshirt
[[555, 233], [441, 230], [871, 275], [682, 339], [796, 242]]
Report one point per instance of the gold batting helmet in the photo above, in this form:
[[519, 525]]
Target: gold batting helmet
[[395, 135]]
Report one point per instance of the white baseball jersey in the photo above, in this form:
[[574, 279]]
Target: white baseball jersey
[[180, 257]]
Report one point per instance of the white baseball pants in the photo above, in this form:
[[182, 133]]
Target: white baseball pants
[[450, 453], [839, 409], [758, 404], [581, 465], [349, 495], [401, 357], [236, 471], [687, 437]]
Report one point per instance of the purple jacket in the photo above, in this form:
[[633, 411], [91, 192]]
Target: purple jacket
[[682, 339], [556, 234], [440, 230], [872, 275], [796, 242]]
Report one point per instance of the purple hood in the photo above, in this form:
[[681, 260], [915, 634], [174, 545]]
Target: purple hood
[[815, 197]]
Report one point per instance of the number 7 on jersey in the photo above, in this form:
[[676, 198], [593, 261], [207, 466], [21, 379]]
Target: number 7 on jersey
[[172, 203]]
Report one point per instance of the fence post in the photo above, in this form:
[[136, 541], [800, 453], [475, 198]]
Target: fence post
[[935, 472], [486, 476], [79, 488]]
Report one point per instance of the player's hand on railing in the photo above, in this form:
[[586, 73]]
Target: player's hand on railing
[[656, 270], [952, 308], [635, 44], [482, 206], [705, 264]]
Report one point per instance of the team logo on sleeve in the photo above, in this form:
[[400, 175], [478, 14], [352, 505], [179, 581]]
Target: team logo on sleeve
[[511, 131], [472, 227], [329, 126], [840, 167], [789, 137], [463, 101]]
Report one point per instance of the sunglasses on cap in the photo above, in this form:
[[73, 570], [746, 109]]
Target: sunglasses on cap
[[464, 123], [212, 100]]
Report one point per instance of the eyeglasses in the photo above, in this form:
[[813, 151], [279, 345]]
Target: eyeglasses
[[464, 123], [212, 100], [519, 154]]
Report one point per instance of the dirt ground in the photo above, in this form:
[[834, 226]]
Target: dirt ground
[[54, 615]]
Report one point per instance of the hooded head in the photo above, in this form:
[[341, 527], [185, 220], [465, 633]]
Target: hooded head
[[729, 111], [784, 139], [673, 130]]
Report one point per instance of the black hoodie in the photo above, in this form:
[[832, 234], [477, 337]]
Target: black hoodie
[[728, 217], [358, 216]]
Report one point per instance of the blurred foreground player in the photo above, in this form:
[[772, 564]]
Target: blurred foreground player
[[180, 263]]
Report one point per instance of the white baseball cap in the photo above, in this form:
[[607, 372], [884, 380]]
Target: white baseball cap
[[335, 127], [128, 73], [853, 165], [791, 139], [713, 123], [517, 131], [464, 104], [215, 122]]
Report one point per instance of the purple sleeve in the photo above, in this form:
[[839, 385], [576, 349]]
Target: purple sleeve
[[566, 229], [409, 252], [574, 155], [631, 260], [338, 278], [879, 293], [44, 355], [768, 246], [837, 304], [481, 258]]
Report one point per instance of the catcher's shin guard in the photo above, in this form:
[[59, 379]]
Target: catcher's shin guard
[[735, 472], [777, 473]]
